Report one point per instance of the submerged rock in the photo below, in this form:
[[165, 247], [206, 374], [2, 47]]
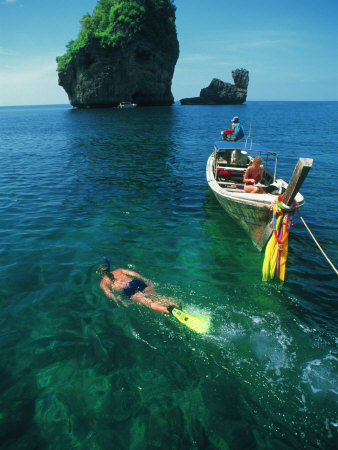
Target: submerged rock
[[126, 51], [220, 93]]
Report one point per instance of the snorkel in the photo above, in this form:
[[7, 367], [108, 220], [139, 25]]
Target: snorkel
[[108, 263], [104, 269]]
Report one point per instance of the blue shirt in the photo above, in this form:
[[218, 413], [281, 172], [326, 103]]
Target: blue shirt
[[238, 132]]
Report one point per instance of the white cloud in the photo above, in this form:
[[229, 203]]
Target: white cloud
[[9, 1], [266, 43], [30, 84], [195, 57], [15, 75]]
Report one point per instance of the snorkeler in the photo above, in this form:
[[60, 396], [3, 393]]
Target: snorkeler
[[141, 290], [133, 286]]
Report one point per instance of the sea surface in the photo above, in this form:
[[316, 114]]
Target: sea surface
[[78, 372]]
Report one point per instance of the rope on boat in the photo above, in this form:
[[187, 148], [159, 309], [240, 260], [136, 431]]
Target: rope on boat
[[320, 248]]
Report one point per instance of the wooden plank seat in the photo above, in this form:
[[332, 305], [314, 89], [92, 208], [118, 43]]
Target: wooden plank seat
[[229, 185]]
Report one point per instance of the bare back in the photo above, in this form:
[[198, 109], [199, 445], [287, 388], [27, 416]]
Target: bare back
[[121, 278]]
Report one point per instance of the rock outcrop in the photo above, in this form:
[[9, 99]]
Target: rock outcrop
[[220, 93], [134, 63]]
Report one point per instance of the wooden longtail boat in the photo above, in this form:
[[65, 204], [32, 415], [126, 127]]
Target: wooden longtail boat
[[225, 169]]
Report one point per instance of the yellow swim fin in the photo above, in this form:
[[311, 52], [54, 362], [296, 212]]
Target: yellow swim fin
[[200, 324]]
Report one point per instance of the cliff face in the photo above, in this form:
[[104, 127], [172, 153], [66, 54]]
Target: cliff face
[[133, 61], [220, 93]]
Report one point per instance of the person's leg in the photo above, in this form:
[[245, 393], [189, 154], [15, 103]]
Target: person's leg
[[254, 189], [249, 188], [150, 302], [168, 301], [154, 296]]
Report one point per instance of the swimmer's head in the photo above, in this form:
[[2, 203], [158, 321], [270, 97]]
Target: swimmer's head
[[104, 269]]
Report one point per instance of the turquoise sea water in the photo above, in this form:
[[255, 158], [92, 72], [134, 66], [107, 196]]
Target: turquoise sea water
[[78, 372]]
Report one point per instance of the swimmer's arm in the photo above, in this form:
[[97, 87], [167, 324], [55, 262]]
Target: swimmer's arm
[[118, 300], [109, 293], [121, 301]]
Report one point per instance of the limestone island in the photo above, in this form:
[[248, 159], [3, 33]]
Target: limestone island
[[125, 52], [220, 93]]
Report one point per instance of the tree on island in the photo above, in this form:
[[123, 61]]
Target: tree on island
[[117, 22]]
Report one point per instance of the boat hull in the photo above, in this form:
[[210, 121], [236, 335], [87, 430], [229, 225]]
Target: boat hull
[[254, 220], [251, 211]]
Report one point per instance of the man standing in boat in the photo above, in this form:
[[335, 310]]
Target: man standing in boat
[[238, 132]]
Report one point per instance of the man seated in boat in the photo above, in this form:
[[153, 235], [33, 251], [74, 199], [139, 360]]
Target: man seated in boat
[[238, 132], [253, 176], [133, 286]]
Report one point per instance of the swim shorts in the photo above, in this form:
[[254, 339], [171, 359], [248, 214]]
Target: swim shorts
[[134, 286]]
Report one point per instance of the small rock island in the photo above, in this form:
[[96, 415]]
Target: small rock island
[[220, 93], [125, 51]]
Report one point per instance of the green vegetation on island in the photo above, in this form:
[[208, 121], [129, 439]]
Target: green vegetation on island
[[115, 22]]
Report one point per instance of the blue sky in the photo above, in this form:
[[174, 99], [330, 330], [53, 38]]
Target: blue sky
[[289, 47]]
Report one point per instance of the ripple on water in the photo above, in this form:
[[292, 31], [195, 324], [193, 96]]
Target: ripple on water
[[321, 375]]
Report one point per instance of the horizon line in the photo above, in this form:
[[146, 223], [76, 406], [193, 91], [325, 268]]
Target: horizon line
[[176, 101]]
